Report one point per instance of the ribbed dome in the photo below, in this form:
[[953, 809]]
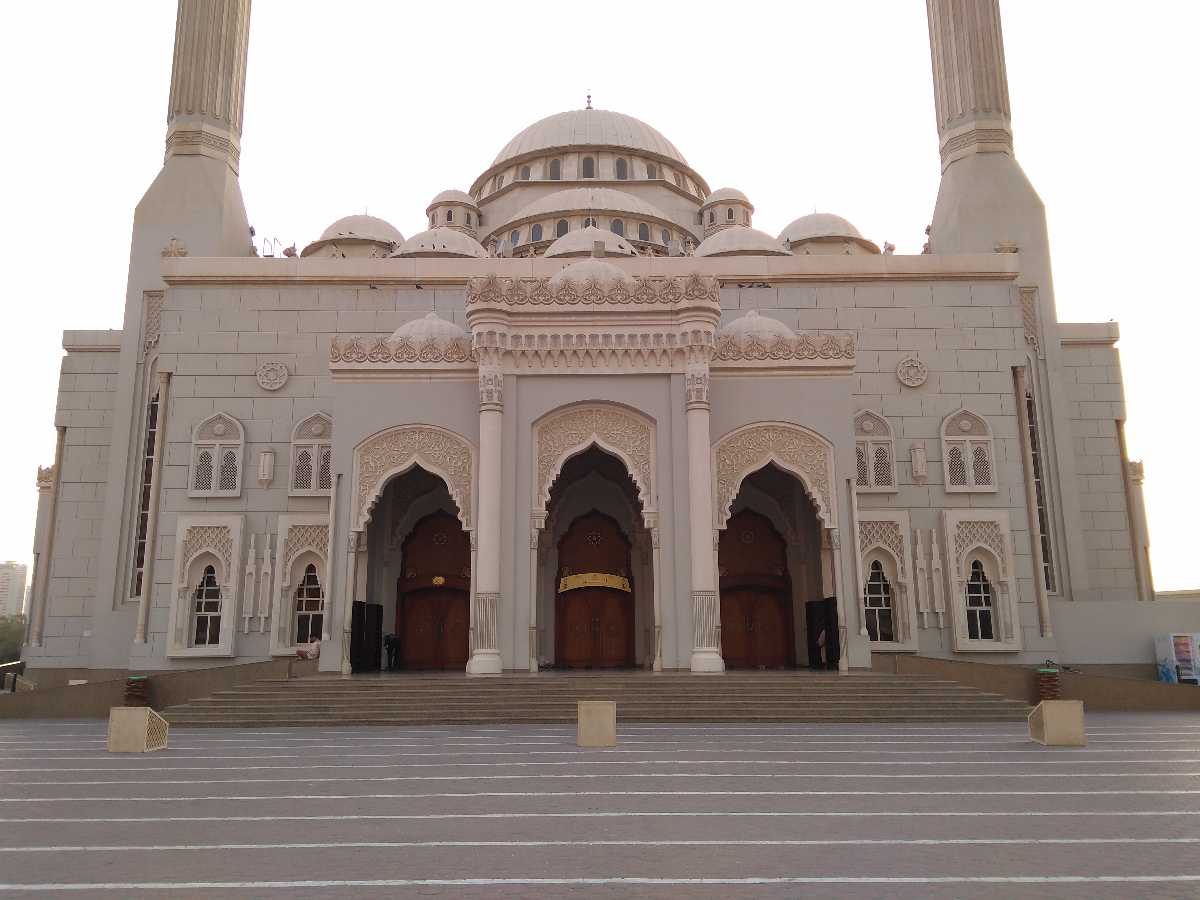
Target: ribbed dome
[[589, 128], [363, 228], [740, 240], [727, 195], [752, 325], [589, 200], [583, 241], [587, 269], [452, 197], [819, 225], [429, 327], [441, 242]]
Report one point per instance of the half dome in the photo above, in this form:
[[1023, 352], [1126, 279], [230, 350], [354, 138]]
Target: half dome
[[430, 327], [441, 242], [741, 241], [824, 227], [356, 236], [604, 273], [582, 242], [452, 197], [752, 326], [589, 128], [727, 195]]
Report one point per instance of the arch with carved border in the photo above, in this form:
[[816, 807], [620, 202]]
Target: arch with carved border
[[795, 449], [392, 452], [619, 430]]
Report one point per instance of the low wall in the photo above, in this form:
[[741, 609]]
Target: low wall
[[94, 699], [1099, 693]]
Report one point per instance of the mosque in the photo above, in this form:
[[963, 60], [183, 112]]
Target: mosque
[[591, 417]]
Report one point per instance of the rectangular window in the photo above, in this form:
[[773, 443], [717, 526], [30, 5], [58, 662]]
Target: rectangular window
[[143, 511], [1039, 487]]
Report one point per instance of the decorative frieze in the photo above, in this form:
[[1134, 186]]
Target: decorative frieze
[[792, 447], [442, 452], [782, 348], [377, 351], [592, 291]]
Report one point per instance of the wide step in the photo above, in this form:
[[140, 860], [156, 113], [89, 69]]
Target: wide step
[[549, 698]]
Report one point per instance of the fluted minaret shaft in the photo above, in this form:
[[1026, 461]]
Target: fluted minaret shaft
[[208, 79], [970, 85]]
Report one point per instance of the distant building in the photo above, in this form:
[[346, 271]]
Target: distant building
[[12, 588]]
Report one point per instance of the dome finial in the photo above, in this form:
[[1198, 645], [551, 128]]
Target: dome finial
[[589, 98]]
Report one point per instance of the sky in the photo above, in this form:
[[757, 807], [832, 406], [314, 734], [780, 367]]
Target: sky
[[367, 105]]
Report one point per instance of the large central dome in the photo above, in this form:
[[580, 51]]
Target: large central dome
[[589, 127]]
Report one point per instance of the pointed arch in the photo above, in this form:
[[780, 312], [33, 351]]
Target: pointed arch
[[311, 470], [793, 448], [217, 461], [968, 453], [874, 452], [392, 452], [614, 428]]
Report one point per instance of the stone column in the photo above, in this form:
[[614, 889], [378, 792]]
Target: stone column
[[706, 605], [45, 556], [1021, 385], [656, 574], [485, 612], [970, 85], [349, 589], [534, 540], [146, 595], [208, 80], [1135, 477]]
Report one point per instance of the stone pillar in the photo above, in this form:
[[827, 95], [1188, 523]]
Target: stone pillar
[[208, 80], [1135, 477], [656, 574], [45, 556], [146, 595], [1021, 385], [349, 589], [534, 540], [485, 612], [970, 85], [706, 605]]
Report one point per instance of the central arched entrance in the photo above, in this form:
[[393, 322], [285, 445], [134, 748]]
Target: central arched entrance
[[594, 609], [433, 596], [595, 569]]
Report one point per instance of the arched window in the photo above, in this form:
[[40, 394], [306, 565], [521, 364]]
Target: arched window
[[651, 171], [875, 453], [432, 219], [643, 231], [877, 603], [678, 180], [206, 610], [589, 167], [746, 216], [979, 605], [310, 606], [555, 170], [967, 453], [561, 228], [217, 445], [535, 233], [468, 218], [618, 227], [622, 169], [729, 214], [449, 216], [589, 222], [143, 501], [666, 237], [514, 237], [524, 176], [312, 456], [712, 217], [499, 182]]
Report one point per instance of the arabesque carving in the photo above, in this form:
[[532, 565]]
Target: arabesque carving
[[215, 539], [885, 534], [975, 533], [756, 348], [381, 350], [793, 448], [566, 433], [304, 539], [441, 452], [592, 291]]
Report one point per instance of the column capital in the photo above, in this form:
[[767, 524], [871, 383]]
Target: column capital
[[696, 381], [491, 391]]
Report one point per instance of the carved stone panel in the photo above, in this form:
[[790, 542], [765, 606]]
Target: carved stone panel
[[444, 453], [793, 448]]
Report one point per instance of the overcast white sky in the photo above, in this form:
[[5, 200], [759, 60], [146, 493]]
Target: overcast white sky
[[377, 106]]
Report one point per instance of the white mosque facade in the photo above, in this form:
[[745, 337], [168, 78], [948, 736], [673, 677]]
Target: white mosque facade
[[591, 417]]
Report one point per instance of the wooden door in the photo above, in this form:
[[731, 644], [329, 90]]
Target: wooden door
[[433, 606], [594, 626], [418, 629], [757, 629], [772, 632], [736, 627], [456, 630]]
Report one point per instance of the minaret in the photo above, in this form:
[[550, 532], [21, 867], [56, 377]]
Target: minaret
[[193, 208], [985, 204], [984, 199]]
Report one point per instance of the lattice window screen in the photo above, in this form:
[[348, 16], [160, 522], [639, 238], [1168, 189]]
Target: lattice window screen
[[981, 465], [883, 467], [203, 479], [302, 476], [957, 466], [861, 454], [325, 475], [229, 471]]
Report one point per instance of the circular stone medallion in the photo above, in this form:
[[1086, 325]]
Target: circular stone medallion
[[272, 376], [912, 372]]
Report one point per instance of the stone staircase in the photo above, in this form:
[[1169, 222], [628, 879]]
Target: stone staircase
[[549, 697]]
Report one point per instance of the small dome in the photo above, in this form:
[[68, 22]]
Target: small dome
[[431, 327], [824, 227], [363, 228], [727, 195], [460, 197], [587, 269], [589, 127], [441, 242], [754, 326], [583, 241], [741, 241]]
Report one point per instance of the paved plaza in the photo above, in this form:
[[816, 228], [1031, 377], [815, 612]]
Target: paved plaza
[[715, 812]]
